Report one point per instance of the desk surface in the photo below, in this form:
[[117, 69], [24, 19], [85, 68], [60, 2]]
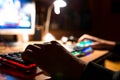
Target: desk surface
[[96, 54]]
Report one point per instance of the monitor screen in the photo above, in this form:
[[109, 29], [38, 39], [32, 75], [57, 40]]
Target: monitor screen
[[17, 17]]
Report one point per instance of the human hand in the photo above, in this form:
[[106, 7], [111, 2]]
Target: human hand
[[98, 43], [55, 60]]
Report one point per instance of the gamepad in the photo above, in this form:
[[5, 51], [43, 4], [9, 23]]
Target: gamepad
[[82, 48]]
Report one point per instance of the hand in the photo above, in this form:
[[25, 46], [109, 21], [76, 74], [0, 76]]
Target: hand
[[54, 59], [98, 43]]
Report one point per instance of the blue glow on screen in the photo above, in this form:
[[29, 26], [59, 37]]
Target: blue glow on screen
[[13, 14]]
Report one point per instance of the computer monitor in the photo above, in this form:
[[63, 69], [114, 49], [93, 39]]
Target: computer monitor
[[17, 17]]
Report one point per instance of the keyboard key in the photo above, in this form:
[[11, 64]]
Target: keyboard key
[[14, 60]]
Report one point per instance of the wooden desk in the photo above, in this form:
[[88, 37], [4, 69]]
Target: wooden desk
[[96, 54]]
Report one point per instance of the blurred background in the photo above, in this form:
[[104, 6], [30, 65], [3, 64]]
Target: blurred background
[[99, 18]]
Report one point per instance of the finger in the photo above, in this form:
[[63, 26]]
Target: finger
[[82, 38], [27, 55], [86, 37], [38, 45], [32, 56], [33, 47], [95, 45], [56, 43]]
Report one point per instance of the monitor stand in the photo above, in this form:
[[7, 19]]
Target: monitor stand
[[23, 38]]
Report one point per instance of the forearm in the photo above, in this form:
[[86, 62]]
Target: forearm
[[106, 44], [71, 69]]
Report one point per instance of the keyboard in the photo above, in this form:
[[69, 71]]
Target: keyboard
[[14, 60]]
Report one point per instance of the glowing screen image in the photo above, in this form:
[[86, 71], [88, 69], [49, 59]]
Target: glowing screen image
[[13, 14]]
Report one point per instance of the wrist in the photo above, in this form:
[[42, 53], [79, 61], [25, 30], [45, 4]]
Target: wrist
[[71, 70], [109, 45]]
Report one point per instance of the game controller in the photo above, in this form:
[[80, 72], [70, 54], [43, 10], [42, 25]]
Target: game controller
[[82, 48]]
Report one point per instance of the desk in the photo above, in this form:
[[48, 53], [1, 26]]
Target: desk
[[96, 54]]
